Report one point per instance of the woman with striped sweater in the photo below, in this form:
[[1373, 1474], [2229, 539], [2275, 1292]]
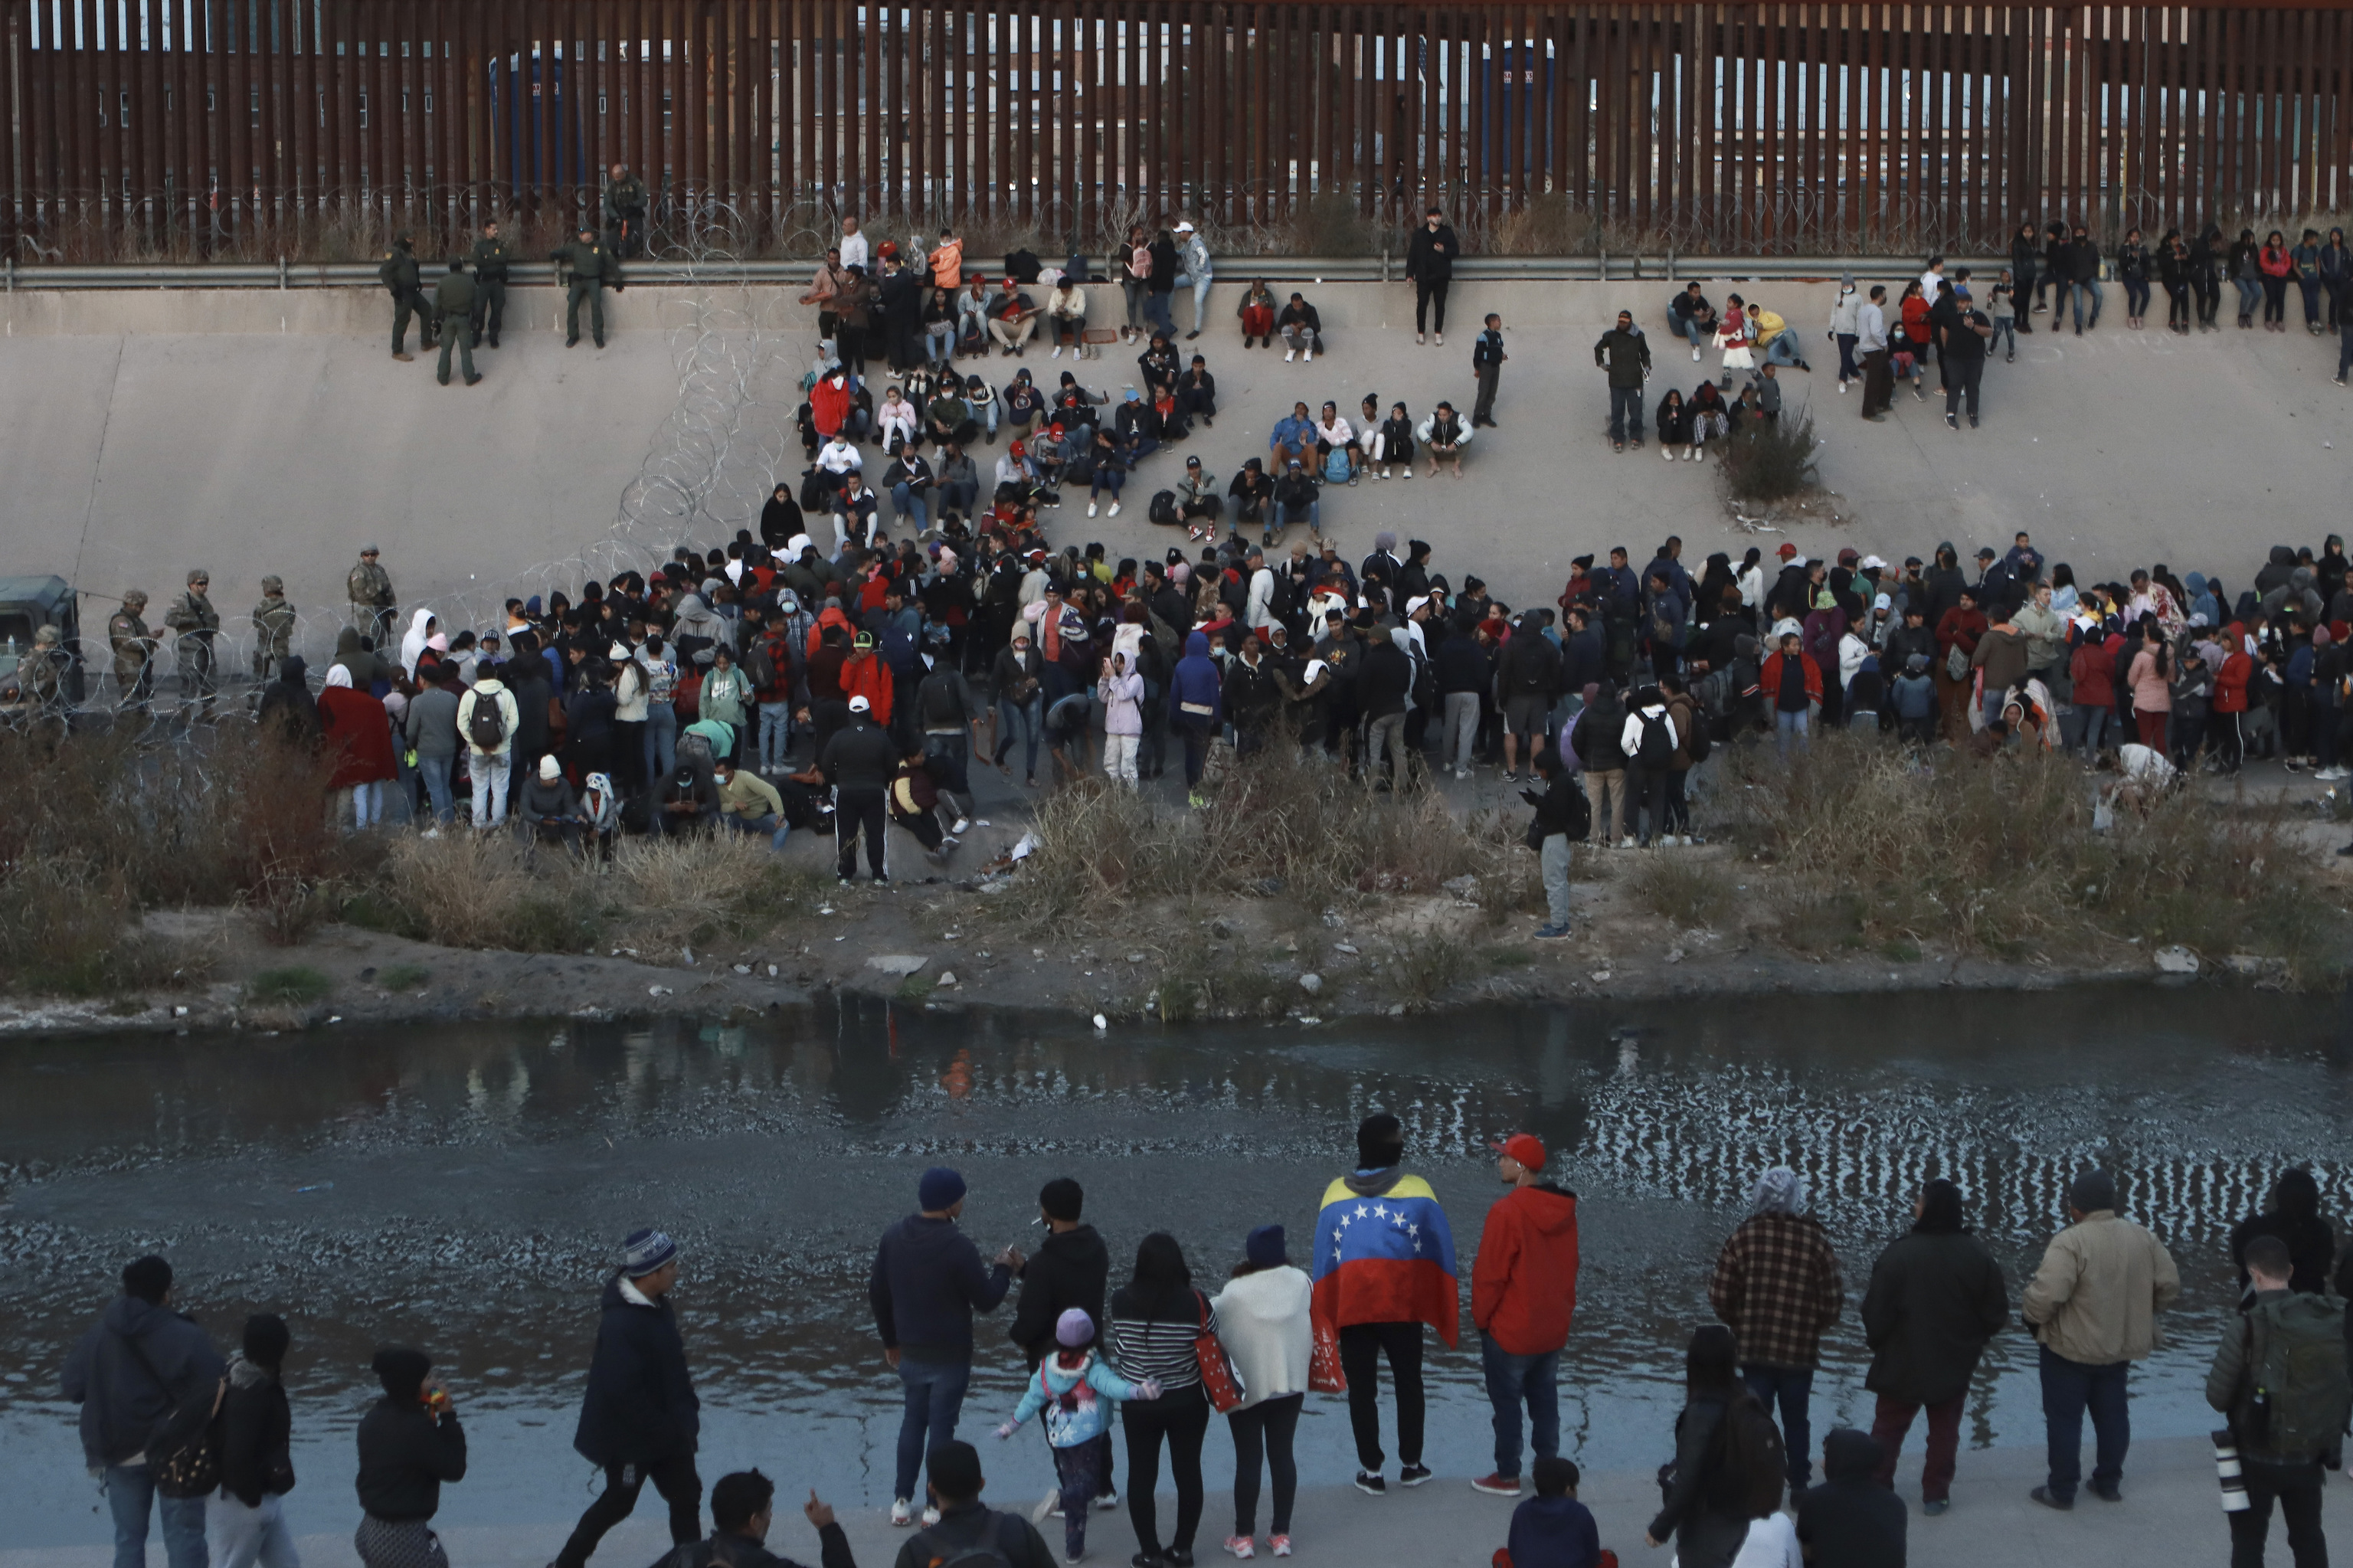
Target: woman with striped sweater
[[1154, 1319]]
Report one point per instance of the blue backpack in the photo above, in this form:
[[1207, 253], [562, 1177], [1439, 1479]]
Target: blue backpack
[[1336, 466]]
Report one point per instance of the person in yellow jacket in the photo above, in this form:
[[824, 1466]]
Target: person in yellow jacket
[[2093, 1305], [1776, 344]]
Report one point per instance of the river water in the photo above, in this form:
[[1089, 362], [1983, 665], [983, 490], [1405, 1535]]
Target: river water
[[464, 1187]]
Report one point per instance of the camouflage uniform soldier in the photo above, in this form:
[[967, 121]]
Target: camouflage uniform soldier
[[273, 629], [134, 652], [373, 605], [196, 622]]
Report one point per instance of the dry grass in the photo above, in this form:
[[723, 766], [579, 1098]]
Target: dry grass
[[1680, 889], [1276, 826], [1871, 848]]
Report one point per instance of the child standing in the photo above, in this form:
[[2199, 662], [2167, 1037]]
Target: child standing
[[1076, 1388]]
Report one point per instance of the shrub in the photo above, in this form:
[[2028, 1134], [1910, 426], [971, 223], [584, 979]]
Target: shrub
[[1679, 888], [1770, 460], [296, 985]]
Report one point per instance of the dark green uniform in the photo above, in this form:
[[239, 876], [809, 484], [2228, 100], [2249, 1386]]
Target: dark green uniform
[[453, 302], [134, 653], [273, 630], [591, 269], [490, 256], [400, 275], [625, 215]]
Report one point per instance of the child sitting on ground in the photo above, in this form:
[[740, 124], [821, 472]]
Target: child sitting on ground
[[1552, 1529], [1076, 1390]]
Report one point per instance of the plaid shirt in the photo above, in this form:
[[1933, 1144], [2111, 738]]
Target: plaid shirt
[[1777, 1284]]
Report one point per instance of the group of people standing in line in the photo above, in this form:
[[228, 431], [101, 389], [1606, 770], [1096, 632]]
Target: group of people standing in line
[[167, 1425]]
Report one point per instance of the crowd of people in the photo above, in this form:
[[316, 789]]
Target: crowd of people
[[172, 1430]]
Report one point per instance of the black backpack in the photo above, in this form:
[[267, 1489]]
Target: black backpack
[[1162, 509], [1658, 745], [758, 667], [486, 726], [1023, 265], [1696, 744], [1751, 1465]]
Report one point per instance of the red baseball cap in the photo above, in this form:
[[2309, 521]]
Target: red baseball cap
[[1525, 1146]]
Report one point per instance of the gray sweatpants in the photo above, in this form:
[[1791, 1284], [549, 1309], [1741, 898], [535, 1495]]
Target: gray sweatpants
[[1462, 732], [1555, 856]]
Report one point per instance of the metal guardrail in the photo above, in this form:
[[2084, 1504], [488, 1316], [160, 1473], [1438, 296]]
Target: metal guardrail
[[1384, 268]]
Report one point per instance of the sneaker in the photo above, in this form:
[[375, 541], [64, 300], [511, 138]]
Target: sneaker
[[1057, 353], [1617, 446], [1634, 442], [1311, 356], [1699, 454], [1194, 333], [1289, 354], [1115, 510], [1074, 1558], [1418, 338], [1279, 1544], [1932, 1506], [1459, 773], [1549, 934], [1627, 842], [1370, 1482], [1695, 361], [1107, 1501], [929, 1516], [1509, 1485], [1876, 419], [2042, 1495], [960, 824], [1241, 1546], [1842, 389], [2115, 1494], [1287, 1551], [1951, 423], [1668, 453], [1511, 778], [1090, 508], [903, 1512], [1413, 1475]]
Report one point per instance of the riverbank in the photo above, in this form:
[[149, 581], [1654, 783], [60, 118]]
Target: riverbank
[[2169, 1514]]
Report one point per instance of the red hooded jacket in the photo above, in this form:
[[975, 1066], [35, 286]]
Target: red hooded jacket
[[865, 675], [1523, 1281], [2238, 668]]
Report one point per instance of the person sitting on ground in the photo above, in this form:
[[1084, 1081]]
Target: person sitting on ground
[[1198, 501], [1066, 316], [1107, 467], [913, 800], [1297, 499], [1710, 419], [1012, 319], [1775, 341], [1293, 439], [1443, 436], [743, 1510], [1252, 492], [1674, 426], [1196, 394], [1300, 328], [1334, 436], [1256, 313], [1392, 443], [1692, 316], [1552, 1529], [896, 421]]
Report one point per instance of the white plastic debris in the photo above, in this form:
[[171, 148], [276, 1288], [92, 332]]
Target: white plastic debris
[[1311, 983], [2176, 961], [1102, 1023]]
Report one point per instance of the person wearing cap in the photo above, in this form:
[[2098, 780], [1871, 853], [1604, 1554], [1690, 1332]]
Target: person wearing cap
[[860, 762], [1265, 1323], [1194, 271], [1012, 319], [1777, 1286], [1625, 355], [273, 629], [1297, 499], [2092, 1306], [926, 1282], [587, 267], [1523, 1294], [1077, 1390], [194, 623], [410, 1445], [1487, 358], [639, 1418], [132, 644], [547, 808]]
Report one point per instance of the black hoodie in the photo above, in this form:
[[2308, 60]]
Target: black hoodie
[[1851, 1520], [1072, 1269]]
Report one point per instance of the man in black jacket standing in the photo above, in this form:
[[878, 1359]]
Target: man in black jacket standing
[[1072, 1269], [640, 1419], [860, 762], [1626, 355], [1936, 1296], [145, 1378], [1430, 262]]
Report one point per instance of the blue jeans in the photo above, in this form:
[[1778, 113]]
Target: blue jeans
[[776, 734], [1793, 1387], [909, 505], [1625, 413], [1156, 310], [1200, 287], [935, 1400], [2088, 286], [2005, 335], [1783, 349], [1108, 477], [939, 340], [2135, 296], [1032, 717], [1787, 727], [1510, 1380], [1701, 337], [435, 771], [2250, 295], [767, 822], [660, 752], [2068, 1388], [128, 1492]]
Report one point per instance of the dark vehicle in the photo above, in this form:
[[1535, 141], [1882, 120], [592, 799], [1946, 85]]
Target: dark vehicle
[[27, 604]]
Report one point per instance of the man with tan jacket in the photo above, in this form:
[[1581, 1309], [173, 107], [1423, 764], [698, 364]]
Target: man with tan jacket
[[2093, 1305]]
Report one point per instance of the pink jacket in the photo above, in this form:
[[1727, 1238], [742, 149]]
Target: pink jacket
[[2150, 693]]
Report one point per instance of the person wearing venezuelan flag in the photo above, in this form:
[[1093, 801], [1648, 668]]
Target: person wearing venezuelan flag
[[1384, 1266]]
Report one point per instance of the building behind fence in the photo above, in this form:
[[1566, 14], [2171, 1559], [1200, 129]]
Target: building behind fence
[[311, 128]]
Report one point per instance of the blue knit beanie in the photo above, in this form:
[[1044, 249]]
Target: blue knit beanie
[[939, 1189]]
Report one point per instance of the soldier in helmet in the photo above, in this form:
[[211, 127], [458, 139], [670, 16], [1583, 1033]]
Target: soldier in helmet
[[373, 604], [134, 652], [273, 629], [400, 280], [195, 623], [37, 689]]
